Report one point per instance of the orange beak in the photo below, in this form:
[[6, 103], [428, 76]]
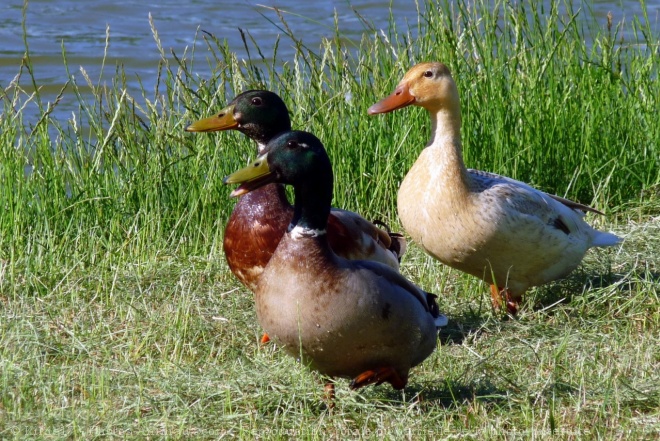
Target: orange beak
[[401, 97]]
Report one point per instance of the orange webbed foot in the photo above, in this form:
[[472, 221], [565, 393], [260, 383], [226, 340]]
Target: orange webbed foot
[[504, 298], [264, 339], [378, 376]]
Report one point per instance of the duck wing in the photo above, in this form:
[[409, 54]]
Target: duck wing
[[397, 280], [521, 201], [569, 203], [355, 238]]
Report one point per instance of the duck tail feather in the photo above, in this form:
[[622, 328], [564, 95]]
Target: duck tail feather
[[604, 239]]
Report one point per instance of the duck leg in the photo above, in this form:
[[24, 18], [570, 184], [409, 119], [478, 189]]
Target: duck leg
[[264, 339], [495, 297], [329, 393], [504, 297], [378, 376]]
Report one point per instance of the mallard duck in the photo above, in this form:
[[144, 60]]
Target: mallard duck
[[261, 217], [501, 230], [356, 319]]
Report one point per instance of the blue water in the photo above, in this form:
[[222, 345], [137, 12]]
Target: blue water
[[80, 27]]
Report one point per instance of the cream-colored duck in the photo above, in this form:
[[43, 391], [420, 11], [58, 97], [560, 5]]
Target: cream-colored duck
[[501, 230]]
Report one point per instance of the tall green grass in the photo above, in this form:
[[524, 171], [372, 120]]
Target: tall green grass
[[120, 318], [569, 110]]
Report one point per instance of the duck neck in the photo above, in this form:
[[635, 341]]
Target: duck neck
[[445, 145], [263, 133], [311, 209]]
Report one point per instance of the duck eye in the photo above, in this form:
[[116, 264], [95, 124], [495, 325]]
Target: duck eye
[[428, 74], [292, 144], [256, 101]]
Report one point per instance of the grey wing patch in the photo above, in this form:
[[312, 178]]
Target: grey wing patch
[[492, 177], [484, 174], [518, 196], [484, 180]]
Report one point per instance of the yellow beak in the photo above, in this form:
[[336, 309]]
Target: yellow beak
[[255, 175], [224, 120]]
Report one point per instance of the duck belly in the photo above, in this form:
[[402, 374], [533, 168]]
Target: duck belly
[[344, 326]]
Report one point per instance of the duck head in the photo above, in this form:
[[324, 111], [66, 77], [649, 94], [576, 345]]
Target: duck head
[[295, 157], [259, 114], [428, 85]]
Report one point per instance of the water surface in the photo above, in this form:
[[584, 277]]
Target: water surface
[[79, 28]]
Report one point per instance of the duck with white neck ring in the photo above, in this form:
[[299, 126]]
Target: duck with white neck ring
[[354, 319], [501, 230]]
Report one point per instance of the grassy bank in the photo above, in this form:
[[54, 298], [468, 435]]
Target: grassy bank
[[120, 318]]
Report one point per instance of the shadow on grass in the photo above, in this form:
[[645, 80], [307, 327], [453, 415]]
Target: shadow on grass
[[460, 327], [451, 396], [446, 395]]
